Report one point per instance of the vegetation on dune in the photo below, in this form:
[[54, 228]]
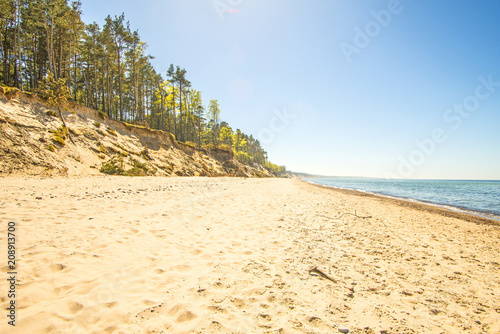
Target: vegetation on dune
[[59, 135], [9, 92], [47, 49], [116, 166]]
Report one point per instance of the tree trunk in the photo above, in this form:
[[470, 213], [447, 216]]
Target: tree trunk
[[59, 68], [94, 88], [180, 111], [161, 110], [16, 48], [120, 85], [50, 44]]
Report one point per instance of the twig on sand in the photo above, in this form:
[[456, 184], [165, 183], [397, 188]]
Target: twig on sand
[[346, 213], [315, 271]]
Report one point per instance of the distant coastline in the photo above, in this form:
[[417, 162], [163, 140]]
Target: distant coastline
[[447, 209]]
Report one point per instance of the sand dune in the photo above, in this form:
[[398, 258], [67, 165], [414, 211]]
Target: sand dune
[[231, 255]]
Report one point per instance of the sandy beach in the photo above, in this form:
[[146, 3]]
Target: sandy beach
[[234, 255]]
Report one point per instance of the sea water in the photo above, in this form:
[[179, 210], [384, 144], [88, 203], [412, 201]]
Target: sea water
[[470, 195]]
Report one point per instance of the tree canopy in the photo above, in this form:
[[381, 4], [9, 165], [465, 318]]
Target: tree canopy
[[108, 69]]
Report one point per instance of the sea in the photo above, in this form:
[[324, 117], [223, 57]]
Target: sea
[[477, 197]]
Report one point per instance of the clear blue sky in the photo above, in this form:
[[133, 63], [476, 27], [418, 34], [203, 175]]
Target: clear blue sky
[[350, 88]]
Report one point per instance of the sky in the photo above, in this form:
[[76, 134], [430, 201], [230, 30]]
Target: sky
[[395, 89]]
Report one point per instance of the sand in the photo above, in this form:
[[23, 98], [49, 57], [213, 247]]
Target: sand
[[232, 255]]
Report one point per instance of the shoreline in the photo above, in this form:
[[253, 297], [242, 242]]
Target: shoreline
[[443, 209]]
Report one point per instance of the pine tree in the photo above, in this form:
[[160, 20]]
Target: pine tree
[[214, 124], [119, 36]]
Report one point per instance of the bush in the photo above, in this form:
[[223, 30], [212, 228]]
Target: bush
[[60, 135], [102, 149], [208, 146], [62, 132], [58, 140], [242, 157], [226, 147], [97, 124], [51, 113], [9, 92], [51, 148], [139, 169], [113, 166]]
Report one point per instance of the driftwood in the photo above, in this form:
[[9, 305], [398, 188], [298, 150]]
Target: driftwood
[[315, 271], [344, 214]]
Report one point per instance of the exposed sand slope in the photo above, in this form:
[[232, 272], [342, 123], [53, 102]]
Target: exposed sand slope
[[28, 128], [231, 255]]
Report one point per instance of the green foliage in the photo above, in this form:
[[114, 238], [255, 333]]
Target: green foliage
[[117, 79], [275, 168], [51, 148], [243, 157], [60, 135], [226, 135], [9, 92], [139, 169], [214, 123], [114, 166], [55, 92], [58, 140], [102, 149], [208, 146], [226, 147], [51, 113]]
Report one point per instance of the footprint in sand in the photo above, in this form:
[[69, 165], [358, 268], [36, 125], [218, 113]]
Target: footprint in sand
[[178, 311], [239, 302], [110, 305], [75, 307], [181, 267], [185, 316], [55, 267], [196, 251]]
